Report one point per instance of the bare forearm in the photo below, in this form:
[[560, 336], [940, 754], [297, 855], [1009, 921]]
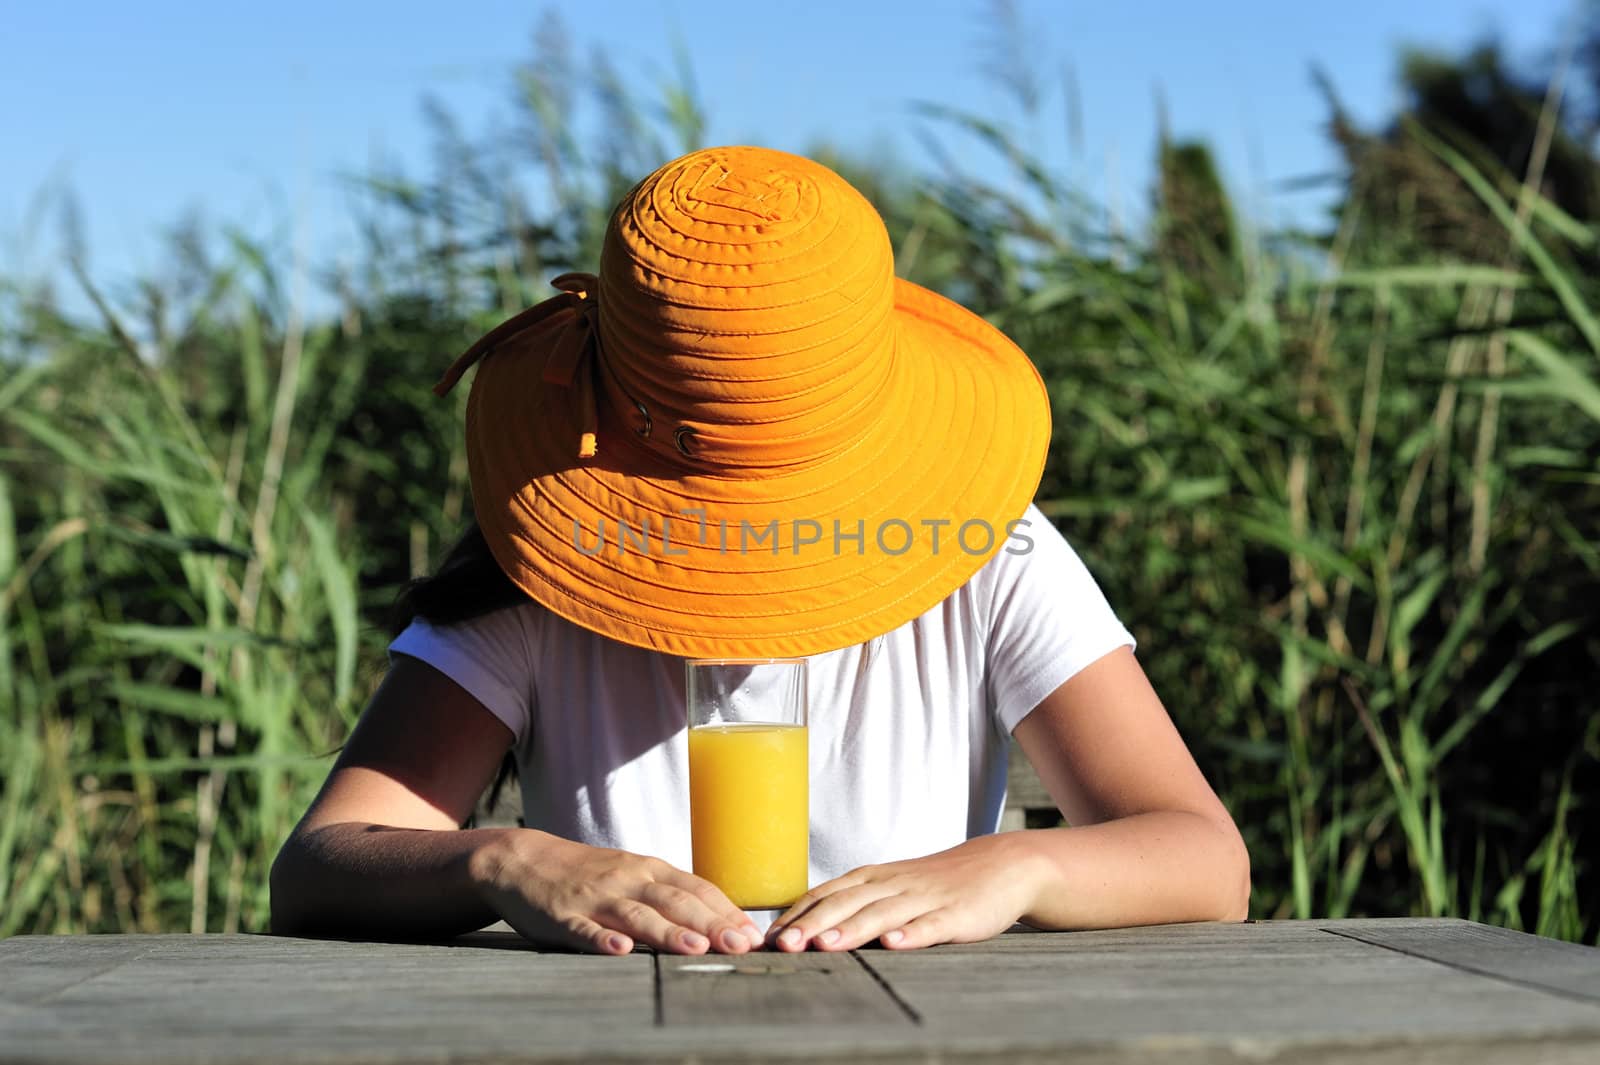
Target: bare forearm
[[364, 880], [1154, 868]]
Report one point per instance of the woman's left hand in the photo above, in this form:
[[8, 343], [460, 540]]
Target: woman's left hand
[[970, 892]]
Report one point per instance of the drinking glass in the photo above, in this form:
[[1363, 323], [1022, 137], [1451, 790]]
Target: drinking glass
[[749, 780]]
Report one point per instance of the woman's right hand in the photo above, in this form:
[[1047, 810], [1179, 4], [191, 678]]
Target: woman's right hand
[[553, 890]]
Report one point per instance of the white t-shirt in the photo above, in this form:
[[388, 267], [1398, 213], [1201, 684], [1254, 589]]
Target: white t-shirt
[[909, 732]]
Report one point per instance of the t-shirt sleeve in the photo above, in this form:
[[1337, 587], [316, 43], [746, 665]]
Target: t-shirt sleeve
[[488, 656], [1048, 618]]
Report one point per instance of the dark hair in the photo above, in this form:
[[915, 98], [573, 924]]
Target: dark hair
[[468, 584]]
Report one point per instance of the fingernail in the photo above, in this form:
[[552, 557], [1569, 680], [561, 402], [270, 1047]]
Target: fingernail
[[830, 937], [732, 940], [754, 935], [695, 941], [894, 937], [616, 943], [790, 937]]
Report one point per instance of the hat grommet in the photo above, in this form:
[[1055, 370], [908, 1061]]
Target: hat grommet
[[683, 437]]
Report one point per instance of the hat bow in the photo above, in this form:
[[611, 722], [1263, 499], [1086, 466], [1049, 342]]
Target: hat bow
[[573, 356]]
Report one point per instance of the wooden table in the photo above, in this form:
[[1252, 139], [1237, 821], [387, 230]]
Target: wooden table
[[1297, 991]]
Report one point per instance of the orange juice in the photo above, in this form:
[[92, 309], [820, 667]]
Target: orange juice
[[750, 812]]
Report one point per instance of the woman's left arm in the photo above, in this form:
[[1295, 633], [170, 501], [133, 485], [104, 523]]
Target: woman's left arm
[[1148, 843]]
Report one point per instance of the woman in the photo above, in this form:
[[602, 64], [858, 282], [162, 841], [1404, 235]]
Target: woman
[[746, 437]]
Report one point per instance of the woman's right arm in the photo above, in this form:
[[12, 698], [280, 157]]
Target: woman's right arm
[[380, 851]]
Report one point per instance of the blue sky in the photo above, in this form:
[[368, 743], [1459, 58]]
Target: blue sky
[[249, 111]]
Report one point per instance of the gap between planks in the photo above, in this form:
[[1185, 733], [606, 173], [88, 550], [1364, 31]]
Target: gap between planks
[[776, 988], [888, 989], [1374, 938]]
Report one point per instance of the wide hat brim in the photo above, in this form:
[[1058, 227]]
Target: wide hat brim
[[691, 563]]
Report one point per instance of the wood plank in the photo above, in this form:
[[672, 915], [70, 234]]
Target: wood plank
[[1024, 790], [1290, 992], [260, 998], [1273, 984], [767, 989], [1534, 961], [1270, 936], [37, 967]]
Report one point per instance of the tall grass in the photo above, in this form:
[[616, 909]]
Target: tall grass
[[1345, 493], [180, 620], [1352, 516]]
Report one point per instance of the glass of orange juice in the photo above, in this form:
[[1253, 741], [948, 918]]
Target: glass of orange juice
[[749, 778]]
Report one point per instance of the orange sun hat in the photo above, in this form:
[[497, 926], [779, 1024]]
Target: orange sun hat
[[746, 436]]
